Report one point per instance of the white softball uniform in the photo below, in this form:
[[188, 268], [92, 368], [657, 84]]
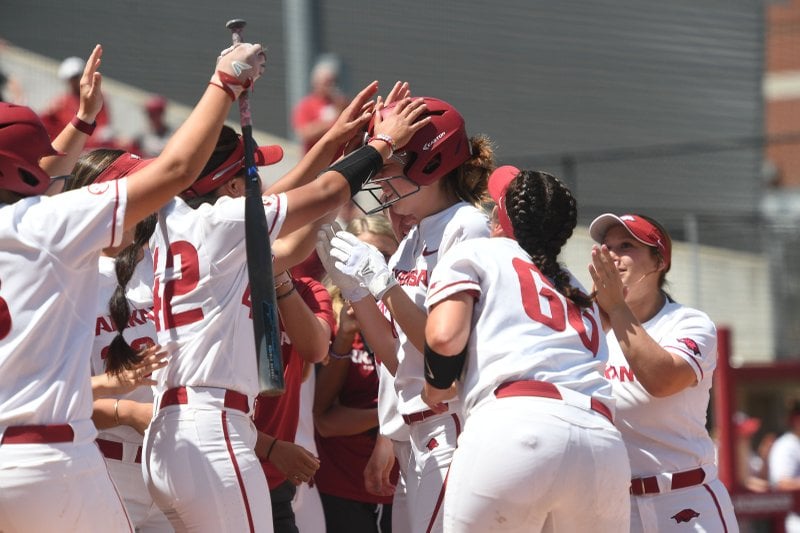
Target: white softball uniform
[[539, 449], [200, 465], [433, 437], [49, 247], [122, 445], [674, 483], [394, 427]]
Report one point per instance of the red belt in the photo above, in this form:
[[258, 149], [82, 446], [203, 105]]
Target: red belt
[[421, 415], [180, 396], [38, 434], [113, 450], [680, 480], [545, 390]]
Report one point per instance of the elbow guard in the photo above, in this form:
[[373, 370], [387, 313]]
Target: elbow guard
[[359, 167], [442, 370]]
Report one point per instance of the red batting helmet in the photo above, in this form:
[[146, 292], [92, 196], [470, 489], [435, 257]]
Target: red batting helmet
[[438, 148], [434, 151], [23, 141]]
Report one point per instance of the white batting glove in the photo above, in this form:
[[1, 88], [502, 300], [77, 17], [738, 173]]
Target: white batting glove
[[350, 287], [363, 262], [238, 67]]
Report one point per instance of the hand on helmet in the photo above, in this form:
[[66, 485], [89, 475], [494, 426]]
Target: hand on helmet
[[401, 121]]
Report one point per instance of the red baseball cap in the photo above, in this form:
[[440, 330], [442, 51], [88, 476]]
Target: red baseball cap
[[640, 229], [499, 181], [228, 169], [125, 165]]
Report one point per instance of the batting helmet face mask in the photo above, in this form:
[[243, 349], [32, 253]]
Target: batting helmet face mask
[[433, 152], [23, 141]]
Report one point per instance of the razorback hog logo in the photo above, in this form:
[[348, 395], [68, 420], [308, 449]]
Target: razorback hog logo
[[685, 516], [691, 345]]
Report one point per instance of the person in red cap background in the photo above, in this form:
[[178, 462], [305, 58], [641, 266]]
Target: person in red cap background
[[661, 360], [150, 142], [52, 476], [515, 335]]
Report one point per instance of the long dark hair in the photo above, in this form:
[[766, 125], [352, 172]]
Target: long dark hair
[[544, 214], [121, 356]]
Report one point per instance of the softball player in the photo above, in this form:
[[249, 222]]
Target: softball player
[[432, 184], [539, 451], [200, 465], [124, 328], [661, 359], [48, 275]]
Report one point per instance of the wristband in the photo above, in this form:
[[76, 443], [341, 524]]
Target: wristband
[[83, 127], [283, 283], [388, 140], [269, 451], [116, 412], [225, 88], [287, 293], [337, 356], [442, 370], [359, 167]]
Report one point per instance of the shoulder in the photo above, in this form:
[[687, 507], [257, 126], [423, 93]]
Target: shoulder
[[688, 316], [469, 217]]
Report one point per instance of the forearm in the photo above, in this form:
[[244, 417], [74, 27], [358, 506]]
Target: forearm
[[309, 167], [309, 334], [71, 142], [263, 444], [340, 421], [377, 331], [408, 315], [103, 413], [660, 372], [330, 380]]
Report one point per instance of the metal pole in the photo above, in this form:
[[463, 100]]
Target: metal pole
[[300, 38], [693, 237]]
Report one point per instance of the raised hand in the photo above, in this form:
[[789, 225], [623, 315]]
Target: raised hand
[[608, 289], [400, 91], [350, 287], [238, 67], [351, 125], [361, 261], [400, 122], [91, 97]]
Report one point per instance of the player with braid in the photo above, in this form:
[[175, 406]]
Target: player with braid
[[514, 335], [124, 335]]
